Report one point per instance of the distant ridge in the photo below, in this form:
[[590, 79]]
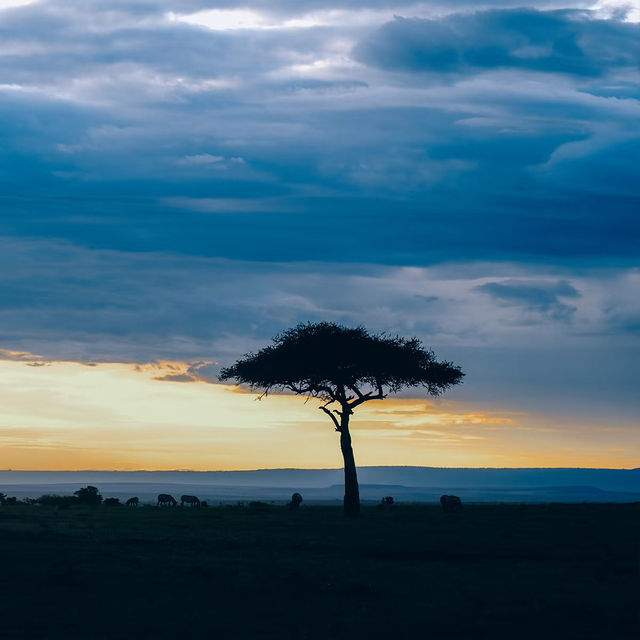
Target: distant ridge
[[626, 480]]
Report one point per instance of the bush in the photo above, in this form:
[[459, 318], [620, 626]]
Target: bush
[[52, 500], [296, 500], [13, 501], [88, 495], [257, 504], [112, 502]]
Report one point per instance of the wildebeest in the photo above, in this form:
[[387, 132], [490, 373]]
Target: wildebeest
[[450, 503], [133, 502], [192, 500], [166, 499], [296, 499]]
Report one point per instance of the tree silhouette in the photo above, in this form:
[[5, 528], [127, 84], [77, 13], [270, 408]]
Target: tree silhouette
[[88, 495], [343, 367]]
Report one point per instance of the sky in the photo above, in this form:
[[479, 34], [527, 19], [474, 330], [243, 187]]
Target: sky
[[180, 180]]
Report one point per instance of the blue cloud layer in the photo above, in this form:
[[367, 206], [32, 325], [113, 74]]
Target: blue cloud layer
[[165, 183], [564, 41], [489, 164], [529, 336], [546, 297]]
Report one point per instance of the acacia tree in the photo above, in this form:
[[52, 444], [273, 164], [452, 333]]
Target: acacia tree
[[344, 368]]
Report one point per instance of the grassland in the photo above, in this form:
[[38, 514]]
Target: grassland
[[504, 571]]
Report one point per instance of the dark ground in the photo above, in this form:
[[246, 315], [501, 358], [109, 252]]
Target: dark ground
[[505, 571]]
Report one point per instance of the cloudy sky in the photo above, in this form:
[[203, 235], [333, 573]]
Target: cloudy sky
[[181, 179]]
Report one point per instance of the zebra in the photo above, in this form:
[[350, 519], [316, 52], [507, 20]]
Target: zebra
[[450, 503], [133, 502], [166, 499], [192, 500]]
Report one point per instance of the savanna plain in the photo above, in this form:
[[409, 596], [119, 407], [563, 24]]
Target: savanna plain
[[263, 571]]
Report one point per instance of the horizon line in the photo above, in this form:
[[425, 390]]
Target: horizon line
[[308, 469]]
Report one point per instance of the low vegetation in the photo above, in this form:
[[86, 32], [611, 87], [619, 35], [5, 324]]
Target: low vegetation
[[503, 571]]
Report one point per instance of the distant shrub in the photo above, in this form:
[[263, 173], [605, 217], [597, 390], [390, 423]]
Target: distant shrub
[[450, 504], [112, 502], [13, 501], [52, 500], [88, 495], [204, 503], [257, 504], [387, 501]]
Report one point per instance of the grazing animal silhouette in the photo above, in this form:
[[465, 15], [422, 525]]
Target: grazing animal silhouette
[[192, 500], [450, 503], [296, 499], [166, 499], [133, 502]]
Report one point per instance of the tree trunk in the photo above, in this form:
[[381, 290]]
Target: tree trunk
[[351, 490]]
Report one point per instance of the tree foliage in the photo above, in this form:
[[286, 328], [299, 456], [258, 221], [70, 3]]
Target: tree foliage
[[340, 364], [88, 495], [53, 500]]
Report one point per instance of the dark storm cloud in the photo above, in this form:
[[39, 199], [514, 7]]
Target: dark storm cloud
[[557, 41], [119, 101], [60, 300], [541, 297]]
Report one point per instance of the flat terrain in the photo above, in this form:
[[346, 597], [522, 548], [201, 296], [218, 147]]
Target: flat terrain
[[504, 571]]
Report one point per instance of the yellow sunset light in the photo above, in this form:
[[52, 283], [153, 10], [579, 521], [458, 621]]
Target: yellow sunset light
[[67, 415]]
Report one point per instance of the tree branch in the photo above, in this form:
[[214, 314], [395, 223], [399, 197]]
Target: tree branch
[[312, 390], [298, 389], [333, 418], [364, 397], [328, 390], [355, 390]]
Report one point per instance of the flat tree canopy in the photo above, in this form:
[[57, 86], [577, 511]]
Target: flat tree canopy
[[345, 366]]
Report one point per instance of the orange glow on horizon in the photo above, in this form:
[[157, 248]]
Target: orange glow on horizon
[[66, 415]]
